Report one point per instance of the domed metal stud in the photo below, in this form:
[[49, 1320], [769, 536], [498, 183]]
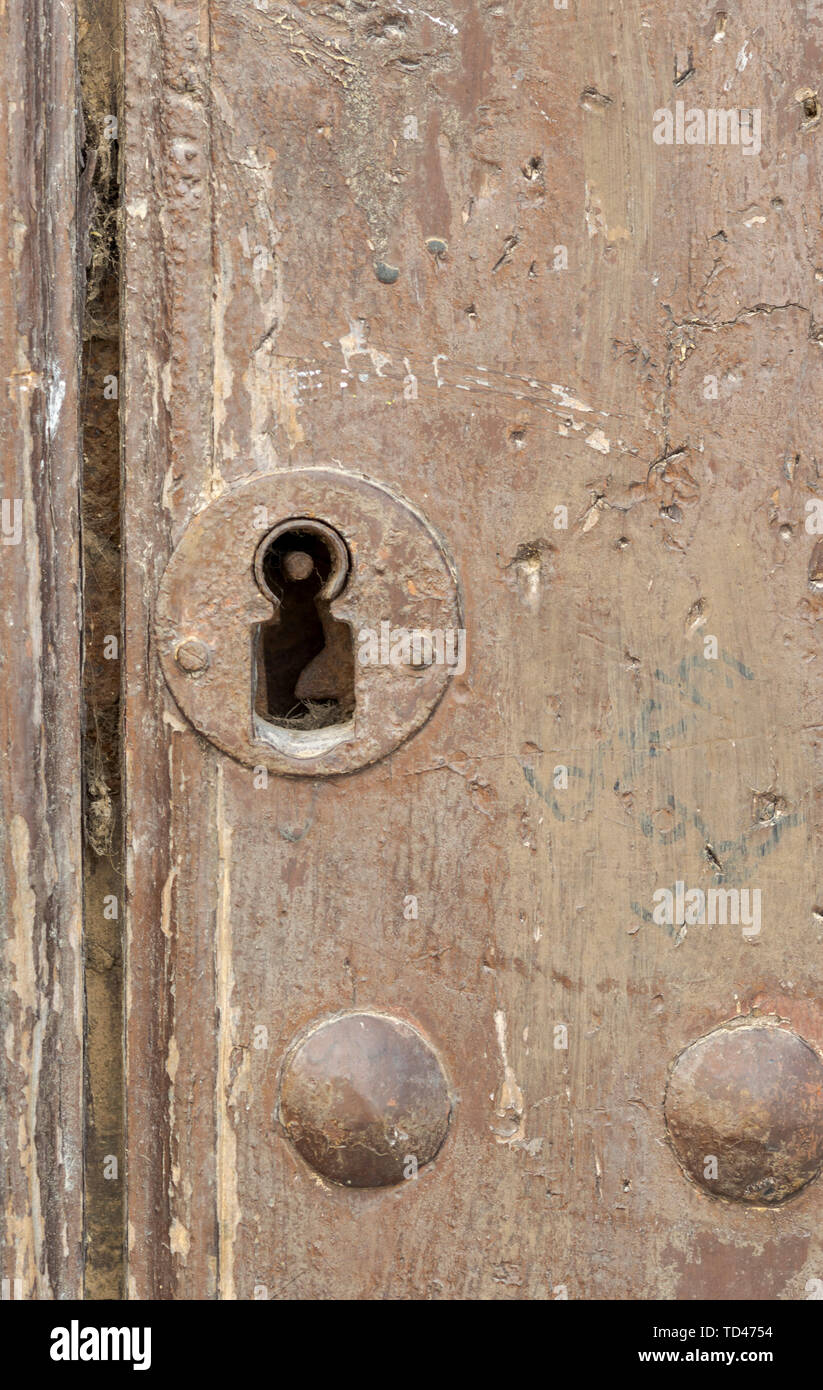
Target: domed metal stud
[[364, 1100], [744, 1109]]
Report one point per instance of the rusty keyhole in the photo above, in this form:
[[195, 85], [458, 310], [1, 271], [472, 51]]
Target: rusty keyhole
[[278, 657], [303, 669]]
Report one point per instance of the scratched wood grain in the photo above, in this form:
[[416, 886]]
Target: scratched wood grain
[[41, 998], [581, 318]]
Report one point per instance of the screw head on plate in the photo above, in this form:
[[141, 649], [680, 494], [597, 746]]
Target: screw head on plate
[[192, 656]]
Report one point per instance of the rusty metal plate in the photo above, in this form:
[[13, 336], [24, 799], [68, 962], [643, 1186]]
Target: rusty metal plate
[[397, 592]]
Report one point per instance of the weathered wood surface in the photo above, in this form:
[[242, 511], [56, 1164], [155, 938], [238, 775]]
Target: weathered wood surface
[[562, 349], [41, 998]]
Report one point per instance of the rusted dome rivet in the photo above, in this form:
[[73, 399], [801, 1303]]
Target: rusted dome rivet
[[744, 1110], [364, 1100]]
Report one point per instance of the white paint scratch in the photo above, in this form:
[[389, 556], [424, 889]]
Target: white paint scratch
[[433, 19], [354, 344], [597, 440], [566, 399], [509, 1107], [55, 395]]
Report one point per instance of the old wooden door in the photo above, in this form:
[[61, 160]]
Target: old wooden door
[[472, 557], [487, 257]]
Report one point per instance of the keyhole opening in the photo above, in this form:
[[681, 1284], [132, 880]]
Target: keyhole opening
[[304, 656]]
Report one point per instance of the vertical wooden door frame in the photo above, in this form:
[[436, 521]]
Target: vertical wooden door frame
[[169, 982], [41, 1004]]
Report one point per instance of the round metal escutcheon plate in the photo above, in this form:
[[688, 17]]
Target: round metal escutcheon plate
[[400, 601]]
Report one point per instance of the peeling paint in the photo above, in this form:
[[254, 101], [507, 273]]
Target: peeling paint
[[510, 1105]]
